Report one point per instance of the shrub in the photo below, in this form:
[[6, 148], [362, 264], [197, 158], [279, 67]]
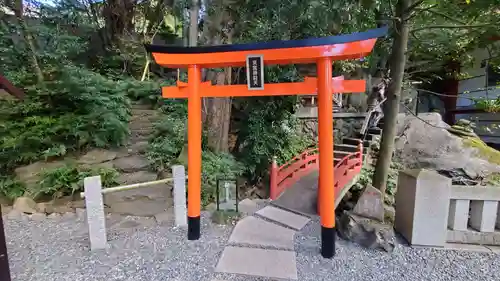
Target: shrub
[[366, 176], [168, 138], [75, 110], [217, 166], [68, 179], [10, 188], [269, 130]]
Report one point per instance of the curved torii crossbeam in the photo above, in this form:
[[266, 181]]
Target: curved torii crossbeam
[[322, 51]]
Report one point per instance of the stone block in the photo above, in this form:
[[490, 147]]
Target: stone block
[[257, 232], [95, 213], [471, 236], [180, 212], [284, 217], [272, 264], [247, 206], [483, 215], [422, 206], [370, 204], [25, 205], [459, 214]]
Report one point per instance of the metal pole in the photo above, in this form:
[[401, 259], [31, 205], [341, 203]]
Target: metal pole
[[4, 259]]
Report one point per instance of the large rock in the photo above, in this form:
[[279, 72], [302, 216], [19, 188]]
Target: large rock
[[131, 164], [425, 142], [96, 156], [370, 204], [137, 177], [25, 205], [30, 174], [365, 232]]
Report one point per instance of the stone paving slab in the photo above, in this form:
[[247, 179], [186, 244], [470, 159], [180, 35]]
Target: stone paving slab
[[254, 231], [287, 218], [258, 262], [301, 197]]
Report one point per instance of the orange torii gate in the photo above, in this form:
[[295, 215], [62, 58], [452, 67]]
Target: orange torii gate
[[322, 51]]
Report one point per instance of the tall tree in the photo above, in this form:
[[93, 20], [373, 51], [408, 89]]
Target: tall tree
[[18, 8], [458, 28], [397, 68], [218, 29]]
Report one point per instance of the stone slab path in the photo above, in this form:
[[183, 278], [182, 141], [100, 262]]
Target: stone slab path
[[301, 197], [262, 246]]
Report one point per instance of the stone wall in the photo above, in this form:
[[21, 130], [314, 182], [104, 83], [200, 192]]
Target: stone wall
[[344, 125]]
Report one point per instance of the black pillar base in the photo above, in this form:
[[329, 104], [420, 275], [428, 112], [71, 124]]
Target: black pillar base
[[328, 236], [193, 228]]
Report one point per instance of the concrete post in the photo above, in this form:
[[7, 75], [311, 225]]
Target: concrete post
[[179, 175], [95, 213], [459, 214], [422, 206], [483, 215]]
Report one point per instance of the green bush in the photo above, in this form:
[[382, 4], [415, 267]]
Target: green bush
[[217, 166], [366, 175], [75, 110], [168, 138], [270, 129], [147, 92], [10, 188], [68, 179]]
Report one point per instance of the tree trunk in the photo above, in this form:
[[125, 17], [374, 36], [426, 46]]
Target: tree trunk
[[194, 13], [218, 117], [219, 29], [17, 7], [192, 40], [397, 68], [118, 16]]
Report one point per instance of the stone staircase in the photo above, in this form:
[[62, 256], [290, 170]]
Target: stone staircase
[[134, 167], [349, 145], [141, 126]]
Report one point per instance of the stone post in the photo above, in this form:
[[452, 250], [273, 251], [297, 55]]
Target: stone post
[[180, 212], [422, 206], [95, 212]]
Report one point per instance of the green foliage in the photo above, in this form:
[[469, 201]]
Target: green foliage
[[75, 110], [68, 179], [488, 105], [168, 139], [366, 175], [268, 128], [10, 188], [217, 166]]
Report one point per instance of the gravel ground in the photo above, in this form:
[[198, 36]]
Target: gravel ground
[[51, 250], [353, 263], [54, 251]]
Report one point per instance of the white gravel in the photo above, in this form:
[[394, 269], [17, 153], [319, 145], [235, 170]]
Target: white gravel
[[353, 263], [51, 250]]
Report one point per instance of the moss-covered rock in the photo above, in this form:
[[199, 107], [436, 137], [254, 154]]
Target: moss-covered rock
[[488, 153]]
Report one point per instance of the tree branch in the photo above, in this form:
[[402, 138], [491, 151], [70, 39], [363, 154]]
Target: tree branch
[[446, 16], [413, 6], [450, 27]]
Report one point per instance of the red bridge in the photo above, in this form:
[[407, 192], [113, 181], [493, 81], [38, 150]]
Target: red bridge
[[294, 185]]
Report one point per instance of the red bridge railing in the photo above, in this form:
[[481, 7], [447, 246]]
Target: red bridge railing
[[285, 176]]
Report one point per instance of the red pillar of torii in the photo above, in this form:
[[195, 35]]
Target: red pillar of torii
[[322, 51]]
